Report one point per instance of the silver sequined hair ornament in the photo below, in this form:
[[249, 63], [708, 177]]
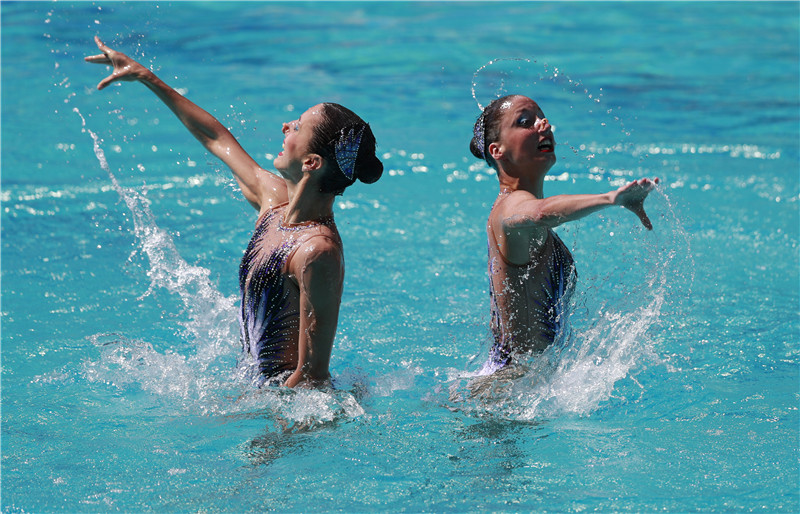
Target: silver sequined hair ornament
[[480, 134], [346, 150]]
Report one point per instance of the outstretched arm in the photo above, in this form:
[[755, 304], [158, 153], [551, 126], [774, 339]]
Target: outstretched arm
[[320, 276], [523, 221], [262, 189], [556, 210]]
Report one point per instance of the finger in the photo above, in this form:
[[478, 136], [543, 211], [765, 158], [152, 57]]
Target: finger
[[105, 82], [644, 219], [100, 44], [646, 184], [100, 59]]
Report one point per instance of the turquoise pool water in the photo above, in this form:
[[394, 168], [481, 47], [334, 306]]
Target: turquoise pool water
[[121, 239]]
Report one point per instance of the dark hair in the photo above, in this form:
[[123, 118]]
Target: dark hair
[[488, 126], [335, 124]]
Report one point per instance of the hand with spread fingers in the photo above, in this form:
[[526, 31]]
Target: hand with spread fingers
[[125, 68]]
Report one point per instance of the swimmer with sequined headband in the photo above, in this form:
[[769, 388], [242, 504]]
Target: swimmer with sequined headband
[[292, 271], [531, 271]]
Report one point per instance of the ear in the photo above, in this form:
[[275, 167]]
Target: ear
[[312, 162], [496, 151]]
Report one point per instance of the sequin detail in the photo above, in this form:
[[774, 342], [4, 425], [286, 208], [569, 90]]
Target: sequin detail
[[267, 317], [479, 131], [328, 222], [347, 150]]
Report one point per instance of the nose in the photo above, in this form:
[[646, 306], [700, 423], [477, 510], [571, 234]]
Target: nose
[[543, 124], [285, 128]]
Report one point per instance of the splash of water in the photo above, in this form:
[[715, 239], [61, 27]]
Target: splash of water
[[212, 324], [582, 374], [498, 79], [555, 90], [572, 379], [211, 313]]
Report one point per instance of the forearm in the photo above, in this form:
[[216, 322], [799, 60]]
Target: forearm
[[214, 136], [205, 127], [312, 361]]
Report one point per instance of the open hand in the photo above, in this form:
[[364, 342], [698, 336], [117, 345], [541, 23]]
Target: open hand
[[125, 68], [632, 195]]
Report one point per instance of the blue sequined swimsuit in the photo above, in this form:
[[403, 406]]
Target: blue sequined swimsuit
[[270, 311]]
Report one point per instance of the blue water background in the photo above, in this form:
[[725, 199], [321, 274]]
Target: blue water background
[[121, 239]]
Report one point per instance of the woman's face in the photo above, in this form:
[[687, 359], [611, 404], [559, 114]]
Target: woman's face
[[526, 137], [297, 136]]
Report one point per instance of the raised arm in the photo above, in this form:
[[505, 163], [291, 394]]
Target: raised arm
[[261, 188], [319, 268]]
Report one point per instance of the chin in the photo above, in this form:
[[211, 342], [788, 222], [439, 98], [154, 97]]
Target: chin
[[547, 157], [548, 162]]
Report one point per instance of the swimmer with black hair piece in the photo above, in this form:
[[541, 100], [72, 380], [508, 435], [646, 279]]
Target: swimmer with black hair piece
[[292, 272], [531, 271]]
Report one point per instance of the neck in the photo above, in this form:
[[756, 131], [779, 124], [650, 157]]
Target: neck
[[534, 186], [306, 202]]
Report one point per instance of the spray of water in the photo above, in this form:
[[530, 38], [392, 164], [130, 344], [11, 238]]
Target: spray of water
[[614, 340], [558, 93], [207, 380]]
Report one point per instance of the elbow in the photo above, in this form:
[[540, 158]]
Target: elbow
[[546, 219], [539, 219]]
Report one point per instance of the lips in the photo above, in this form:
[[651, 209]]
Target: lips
[[546, 146]]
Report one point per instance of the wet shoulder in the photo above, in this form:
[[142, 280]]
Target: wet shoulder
[[519, 236], [321, 244]]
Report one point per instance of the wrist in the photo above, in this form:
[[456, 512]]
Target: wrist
[[147, 76]]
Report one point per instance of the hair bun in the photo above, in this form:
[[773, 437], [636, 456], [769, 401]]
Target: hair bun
[[347, 143], [370, 170], [473, 148]]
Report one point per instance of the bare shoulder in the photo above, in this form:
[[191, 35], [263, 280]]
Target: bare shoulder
[[519, 214], [519, 209], [318, 265], [272, 190], [320, 252], [516, 226]]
